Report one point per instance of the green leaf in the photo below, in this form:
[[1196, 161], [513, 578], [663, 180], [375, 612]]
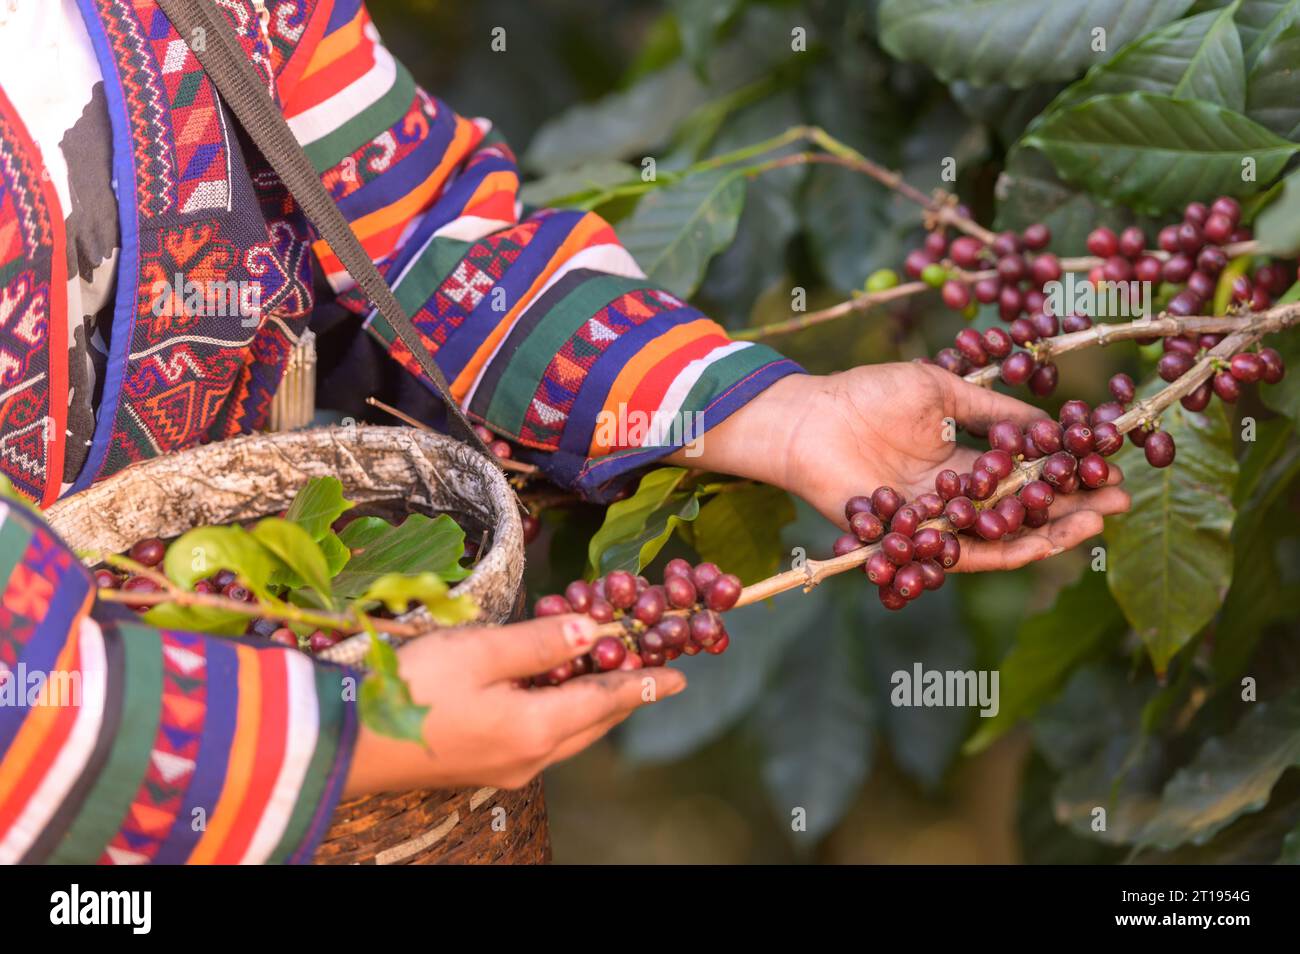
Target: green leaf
[[739, 529], [698, 22], [1232, 775], [1154, 152], [849, 226], [636, 528], [336, 553], [1016, 42], [363, 531], [575, 185], [396, 591], [1261, 21], [1082, 622], [1169, 559], [384, 699], [418, 545], [203, 551], [1196, 58], [318, 505], [676, 229], [1273, 89], [815, 728], [196, 619], [1277, 227], [300, 554]]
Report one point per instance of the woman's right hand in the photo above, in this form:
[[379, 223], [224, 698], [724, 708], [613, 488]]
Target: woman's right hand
[[481, 728]]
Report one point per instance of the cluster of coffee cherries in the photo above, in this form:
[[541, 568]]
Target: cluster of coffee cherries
[[660, 621], [1183, 351], [150, 553]]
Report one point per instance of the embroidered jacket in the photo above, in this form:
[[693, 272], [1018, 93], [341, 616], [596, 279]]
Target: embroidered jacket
[[184, 747]]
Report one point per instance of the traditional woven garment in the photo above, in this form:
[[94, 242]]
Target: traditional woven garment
[[540, 323]]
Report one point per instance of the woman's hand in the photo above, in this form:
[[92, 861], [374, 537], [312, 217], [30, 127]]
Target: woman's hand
[[829, 438], [481, 729]]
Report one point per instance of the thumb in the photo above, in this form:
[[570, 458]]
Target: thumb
[[526, 649]]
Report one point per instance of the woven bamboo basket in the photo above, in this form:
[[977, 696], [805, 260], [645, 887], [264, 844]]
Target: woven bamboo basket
[[389, 468]]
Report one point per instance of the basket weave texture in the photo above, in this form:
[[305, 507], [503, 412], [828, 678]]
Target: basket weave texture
[[251, 477]]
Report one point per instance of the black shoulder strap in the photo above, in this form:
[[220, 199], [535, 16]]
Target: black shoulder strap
[[240, 87]]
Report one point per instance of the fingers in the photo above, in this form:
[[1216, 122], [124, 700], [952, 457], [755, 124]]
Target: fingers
[[581, 704], [978, 408], [524, 649], [1048, 540]]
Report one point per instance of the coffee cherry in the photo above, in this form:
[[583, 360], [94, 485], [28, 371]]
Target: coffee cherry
[[1122, 388], [1176, 269], [1159, 449], [1173, 365], [1017, 368], [1117, 269], [1102, 242], [237, 591], [1208, 341], [1093, 471], [680, 591], [965, 251], [1006, 436], [1072, 412], [927, 543], [1012, 511], [846, 543], [1138, 436], [319, 641], [1274, 366], [982, 484], [960, 512], [956, 295], [867, 527], [1011, 269], [857, 504], [706, 628], [579, 595], [1078, 440], [880, 569], [936, 244], [1036, 236], [1247, 367], [928, 505], [1045, 268], [885, 501], [551, 606], [675, 630], [1005, 243], [890, 599], [720, 645], [1106, 438], [932, 574], [997, 462], [1199, 399], [677, 567], [1037, 495], [1046, 433], [723, 593], [1226, 387], [1148, 269], [1023, 332], [284, 636], [650, 605], [971, 347], [703, 576], [905, 521], [991, 525], [1073, 323], [1201, 285], [997, 343], [1105, 413], [140, 584], [1228, 207], [1058, 469], [1043, 381], [951, 551], [1190, 238], [1167, 238], [897, 547], [1011, 303], [602, 611], [1132, 242], [106, 579], [150, 552], [948, 483], [987, 290], [909, 581]]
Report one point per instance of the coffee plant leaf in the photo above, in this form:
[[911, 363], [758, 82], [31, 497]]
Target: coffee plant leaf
[[635, 529], [678, 228], [363, 531], [1232, 775], [1260, 22], [1273, 89], [1196, 58], [419, 544], [815, 729], [1153, 152], [336, 553], [318, 505], [739, 529], [698, 22], [1169, 559], [1016, 42], [583, 183], [384, 698], [201, 552], [301, 555], [196, 619], [1083, 622], [398, 590], [1278, 224]]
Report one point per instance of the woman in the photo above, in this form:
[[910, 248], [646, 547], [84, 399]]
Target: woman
[[123, 175]]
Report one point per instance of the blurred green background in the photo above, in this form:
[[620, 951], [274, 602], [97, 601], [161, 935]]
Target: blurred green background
[[796, 716]]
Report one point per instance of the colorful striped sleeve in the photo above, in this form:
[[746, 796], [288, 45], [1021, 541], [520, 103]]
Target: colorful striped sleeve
[[124, 744], [544, 325]]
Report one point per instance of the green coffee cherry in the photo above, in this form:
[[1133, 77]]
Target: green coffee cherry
[[881, 280], [934, 275]]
